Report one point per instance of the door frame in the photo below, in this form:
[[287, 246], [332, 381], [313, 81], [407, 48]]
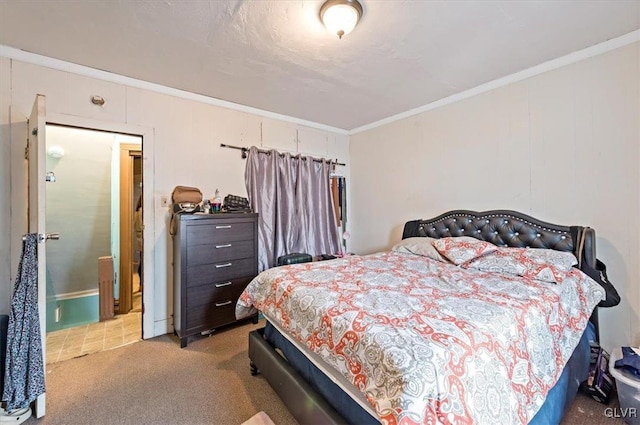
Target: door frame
[[147, 135], [35, 153], [127, 152]]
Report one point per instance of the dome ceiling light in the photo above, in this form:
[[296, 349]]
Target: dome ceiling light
[[340, 16]]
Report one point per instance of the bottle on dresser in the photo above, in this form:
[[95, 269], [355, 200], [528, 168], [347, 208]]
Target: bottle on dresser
[[217, 202]]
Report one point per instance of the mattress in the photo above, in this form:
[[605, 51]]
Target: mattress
[[353, 407], [310, 366]]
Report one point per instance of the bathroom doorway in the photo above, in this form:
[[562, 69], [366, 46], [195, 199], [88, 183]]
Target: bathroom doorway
[[83, 198]]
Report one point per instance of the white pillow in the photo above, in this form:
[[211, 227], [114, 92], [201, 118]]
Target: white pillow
[[419, 246]]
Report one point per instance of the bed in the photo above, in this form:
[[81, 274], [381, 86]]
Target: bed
[[396, 337]]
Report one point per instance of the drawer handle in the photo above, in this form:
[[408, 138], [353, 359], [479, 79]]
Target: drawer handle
[[227, 245], [219, 266], [224, 227], [223, 304], [220, 285]]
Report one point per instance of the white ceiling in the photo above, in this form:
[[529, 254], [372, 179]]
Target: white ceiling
[[277, 56]]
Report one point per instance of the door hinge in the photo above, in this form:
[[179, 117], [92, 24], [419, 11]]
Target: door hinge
[[26, 152]]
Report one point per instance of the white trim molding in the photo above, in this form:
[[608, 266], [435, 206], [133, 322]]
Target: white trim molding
[[148, 169], [574, 57], [161, 327]]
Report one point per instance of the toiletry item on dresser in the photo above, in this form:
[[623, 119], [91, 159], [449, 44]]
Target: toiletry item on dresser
[[217, 202]]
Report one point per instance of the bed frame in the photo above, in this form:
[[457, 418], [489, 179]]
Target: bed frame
[[500, 227]]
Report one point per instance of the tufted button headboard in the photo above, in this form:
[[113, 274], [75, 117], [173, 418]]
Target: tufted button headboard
[[503, 228]]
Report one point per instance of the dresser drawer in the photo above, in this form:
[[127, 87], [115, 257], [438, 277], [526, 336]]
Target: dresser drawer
[[219, 252], [220, 232], [206, 317], [209, 307], [217, 293], [221, 270]]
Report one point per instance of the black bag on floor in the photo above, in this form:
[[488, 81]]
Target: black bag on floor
[[599, 384]]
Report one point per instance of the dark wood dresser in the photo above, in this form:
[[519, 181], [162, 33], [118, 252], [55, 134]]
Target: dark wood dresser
[[215, 256]]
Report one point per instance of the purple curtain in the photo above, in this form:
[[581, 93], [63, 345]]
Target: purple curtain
[[292, 194]]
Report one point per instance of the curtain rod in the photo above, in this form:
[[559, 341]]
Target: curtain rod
[[245, 150]]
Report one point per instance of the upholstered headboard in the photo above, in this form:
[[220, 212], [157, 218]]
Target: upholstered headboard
[[504, 228]]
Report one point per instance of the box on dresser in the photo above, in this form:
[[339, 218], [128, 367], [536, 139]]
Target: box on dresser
[[215, 256]]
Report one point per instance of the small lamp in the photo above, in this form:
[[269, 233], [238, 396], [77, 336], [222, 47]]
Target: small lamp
[[340, 16]]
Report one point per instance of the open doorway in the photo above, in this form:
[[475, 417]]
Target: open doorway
[[84, 205]]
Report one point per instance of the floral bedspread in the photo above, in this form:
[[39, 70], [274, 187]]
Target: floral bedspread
[[429, 342]]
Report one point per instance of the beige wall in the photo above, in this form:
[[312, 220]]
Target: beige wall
[[182, 147], [562, 146]]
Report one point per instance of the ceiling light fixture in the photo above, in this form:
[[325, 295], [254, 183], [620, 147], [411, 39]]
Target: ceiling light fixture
[[340, 16]]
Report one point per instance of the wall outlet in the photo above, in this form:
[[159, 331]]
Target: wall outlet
[[164, 201]]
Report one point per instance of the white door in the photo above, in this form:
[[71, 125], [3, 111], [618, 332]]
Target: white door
[[37, 179]]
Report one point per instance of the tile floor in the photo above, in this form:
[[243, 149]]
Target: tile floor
[[81, 340]]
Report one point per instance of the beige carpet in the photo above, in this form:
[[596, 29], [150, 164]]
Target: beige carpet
[[586, 411], [156, 382]]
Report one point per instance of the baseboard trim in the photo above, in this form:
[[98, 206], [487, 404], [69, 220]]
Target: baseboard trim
[[161, 327], [72, 295]]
